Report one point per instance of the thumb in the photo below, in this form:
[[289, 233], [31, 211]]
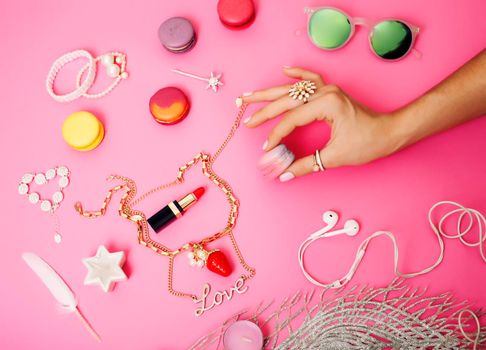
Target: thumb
[[305, 165]]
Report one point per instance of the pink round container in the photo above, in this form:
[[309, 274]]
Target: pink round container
[[243, 335]]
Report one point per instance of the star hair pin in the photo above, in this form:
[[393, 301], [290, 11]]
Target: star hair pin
[[213, 81]]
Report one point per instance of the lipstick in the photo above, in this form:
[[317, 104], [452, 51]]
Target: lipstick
[[174, 210]]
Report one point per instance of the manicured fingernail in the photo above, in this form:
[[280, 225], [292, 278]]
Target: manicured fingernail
[[265, 144], [246, 94], [286, 176], [246, 120], [286, 67], [238, 102]]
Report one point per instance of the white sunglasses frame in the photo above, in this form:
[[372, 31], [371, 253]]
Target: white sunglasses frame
[[360, 21]]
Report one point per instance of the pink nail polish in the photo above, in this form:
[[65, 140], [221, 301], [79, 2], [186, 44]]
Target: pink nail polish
[[286, 176], [246, 120], [265, 144]]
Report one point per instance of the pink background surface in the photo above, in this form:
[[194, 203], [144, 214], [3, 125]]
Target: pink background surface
[[393, 193]]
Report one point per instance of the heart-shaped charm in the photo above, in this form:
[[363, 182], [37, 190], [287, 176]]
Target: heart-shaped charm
[[47, 205]]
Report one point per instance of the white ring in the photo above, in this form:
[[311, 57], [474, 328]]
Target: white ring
[[82, 88], [110, 87]]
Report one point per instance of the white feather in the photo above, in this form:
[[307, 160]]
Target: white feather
[[58, 288], [56, 285]]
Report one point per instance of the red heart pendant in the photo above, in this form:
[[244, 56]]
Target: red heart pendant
[[218, 263]]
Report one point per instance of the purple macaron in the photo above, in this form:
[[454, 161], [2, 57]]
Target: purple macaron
[[177, 35]]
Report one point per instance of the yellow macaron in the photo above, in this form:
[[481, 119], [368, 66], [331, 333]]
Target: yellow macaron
[[83, 131]]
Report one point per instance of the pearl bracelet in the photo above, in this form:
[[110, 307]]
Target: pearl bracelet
[[56, 68], [110, 61], [115, 63]]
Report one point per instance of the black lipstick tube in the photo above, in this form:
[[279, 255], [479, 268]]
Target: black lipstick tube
[[165, 216], [171, 211]]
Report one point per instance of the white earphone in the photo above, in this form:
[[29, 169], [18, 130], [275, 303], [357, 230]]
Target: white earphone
[[466, 217], [351, 228]]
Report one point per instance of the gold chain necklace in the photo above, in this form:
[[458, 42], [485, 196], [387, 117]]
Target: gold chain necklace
[[126, 210]]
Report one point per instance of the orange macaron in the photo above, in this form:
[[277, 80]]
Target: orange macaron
[[169, 105]]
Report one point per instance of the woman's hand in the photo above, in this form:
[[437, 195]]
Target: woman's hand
[[358, 135]]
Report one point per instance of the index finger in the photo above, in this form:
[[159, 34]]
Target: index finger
[[270, 94], [303, 74]]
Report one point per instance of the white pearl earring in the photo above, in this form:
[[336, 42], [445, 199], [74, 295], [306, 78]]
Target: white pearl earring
[[107, 59], [112, 62], [113, 70]]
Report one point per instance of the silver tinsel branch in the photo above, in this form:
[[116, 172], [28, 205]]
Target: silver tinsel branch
[[394, 317]]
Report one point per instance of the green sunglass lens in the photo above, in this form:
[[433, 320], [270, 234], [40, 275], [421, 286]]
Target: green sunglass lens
[[329, 29], [391, 39]]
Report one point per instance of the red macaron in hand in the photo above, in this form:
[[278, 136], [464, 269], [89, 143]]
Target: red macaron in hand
[[236, 14]]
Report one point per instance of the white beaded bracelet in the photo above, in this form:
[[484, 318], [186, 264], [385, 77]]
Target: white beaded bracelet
[[82, 88], [49, 205], [115, 63]]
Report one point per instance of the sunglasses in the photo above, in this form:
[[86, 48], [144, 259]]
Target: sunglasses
[[330, 29]]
